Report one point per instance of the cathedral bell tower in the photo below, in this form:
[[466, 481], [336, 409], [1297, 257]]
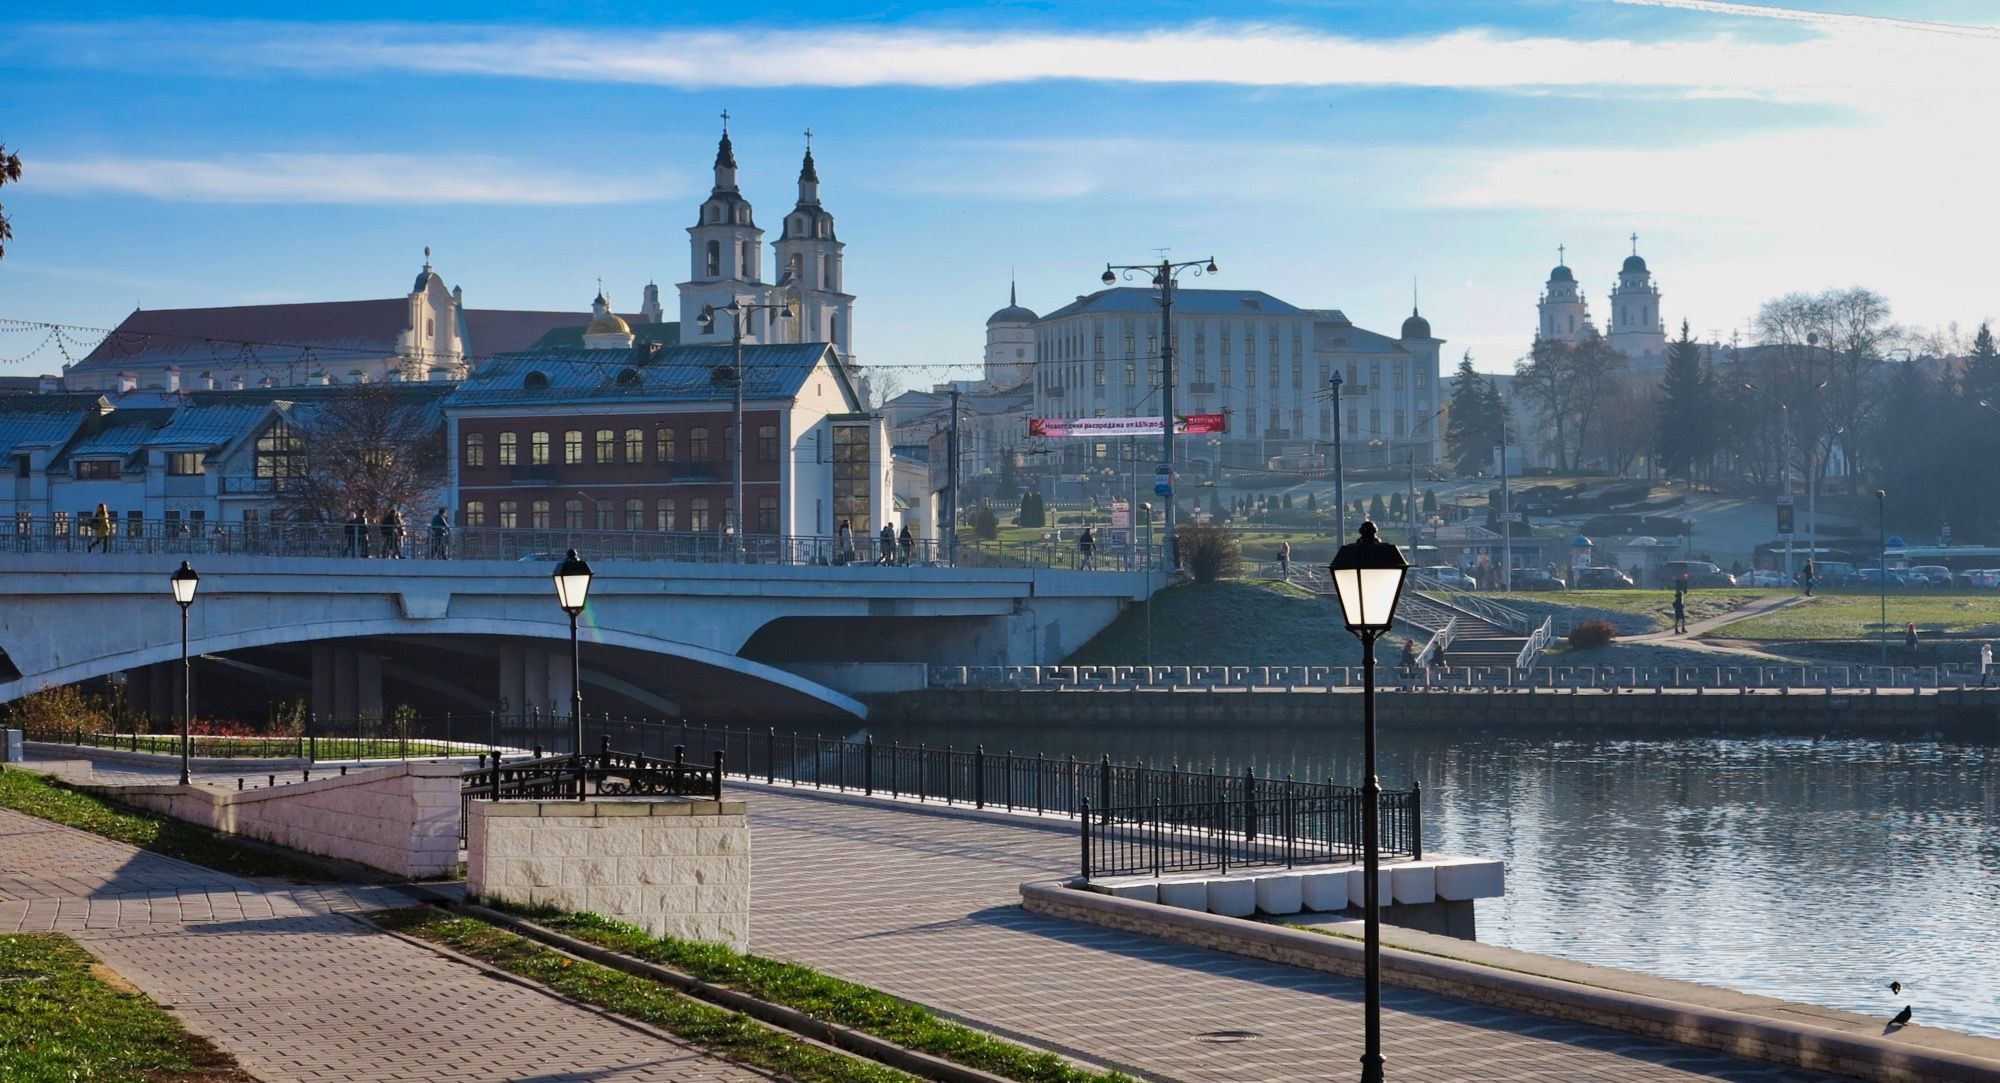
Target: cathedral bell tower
[[724, 250], [1564, 315], [1636, 328], [809, 267]]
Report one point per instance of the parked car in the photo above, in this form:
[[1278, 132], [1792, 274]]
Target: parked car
[[1698, 573], [1448, 577], [1764, 577], [1536, 579], [1834, 573], [1872, 576], [1986, 578], [1601, 578], [1934, 575]]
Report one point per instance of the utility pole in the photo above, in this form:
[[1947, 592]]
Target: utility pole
[[738, 309], [1506, 508], [1339, 482], [1164, 274], [1410, 502], [951, 483]]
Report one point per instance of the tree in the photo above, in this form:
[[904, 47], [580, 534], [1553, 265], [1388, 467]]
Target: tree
[[1982, 368], [1430, 502], [375, 447], [1312, 502], [1287, 503], [1215, 504], [1396, 509], [1823, 352], [1032, 512], [10, 171], [1683, 426], [1568, 381], [1377, 510], [1473, 427], [985, 524], [1210, 549]]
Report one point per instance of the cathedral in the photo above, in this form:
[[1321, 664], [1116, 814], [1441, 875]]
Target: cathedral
[[1637, 330]]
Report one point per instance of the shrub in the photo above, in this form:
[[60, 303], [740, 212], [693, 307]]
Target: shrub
[[985, 524], [1209, 550], [63, 707], [1592, 633]]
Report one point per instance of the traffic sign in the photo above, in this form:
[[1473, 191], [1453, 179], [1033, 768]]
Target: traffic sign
[[1511, 517], [1163, 480], [1785, 519]]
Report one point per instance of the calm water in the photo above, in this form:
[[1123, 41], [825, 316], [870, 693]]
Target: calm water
[[1813, 870]]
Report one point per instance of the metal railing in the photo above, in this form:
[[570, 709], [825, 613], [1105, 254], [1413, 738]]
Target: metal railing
[[1494, 677], [1532, 649], [417, 541], [1491, 612], [606, 773], [1302, 824]]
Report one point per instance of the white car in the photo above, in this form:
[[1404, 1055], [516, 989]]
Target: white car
[[1765, 577], [1988, 578], [1448, 577]]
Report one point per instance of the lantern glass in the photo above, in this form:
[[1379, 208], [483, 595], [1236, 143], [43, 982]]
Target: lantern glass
[[183, 582], [1368, 579], [572, 579]]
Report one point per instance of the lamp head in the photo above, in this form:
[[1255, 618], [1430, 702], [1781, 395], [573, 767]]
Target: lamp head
[[707, 318], [1212, 268], [1109, 278], [184, 581], [572, 579], [1367, 576]]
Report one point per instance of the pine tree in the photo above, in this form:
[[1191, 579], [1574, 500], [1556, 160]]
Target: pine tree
[[1396, 509], [1287, 505], [1312, 502], [1472, 430], [1215, 505], [1430, 502], [1682, 415], [1377, 510], [1982, 368]]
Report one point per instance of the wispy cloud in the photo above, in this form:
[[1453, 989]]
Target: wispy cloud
[[343, 179]]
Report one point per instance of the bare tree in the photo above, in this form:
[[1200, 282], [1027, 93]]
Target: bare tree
[[370, 447], [1826, 349], [1568, 382], [10, 171]]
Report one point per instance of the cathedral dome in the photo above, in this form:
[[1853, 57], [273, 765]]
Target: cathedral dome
[[1416, 327], [1012, 314], [1561, 274], [1634, 265], [607, 323]]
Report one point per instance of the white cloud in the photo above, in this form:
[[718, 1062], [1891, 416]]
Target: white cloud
[[343, 179]]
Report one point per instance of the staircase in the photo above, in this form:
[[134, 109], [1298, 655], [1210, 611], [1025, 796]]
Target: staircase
[[1487, 634]]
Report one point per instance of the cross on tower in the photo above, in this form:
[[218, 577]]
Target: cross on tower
[[1635, 244], [809, 139], [1562, 255], [725, 122]]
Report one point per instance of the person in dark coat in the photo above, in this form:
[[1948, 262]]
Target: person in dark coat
[[441, 535], [392, 534], [908, 542]]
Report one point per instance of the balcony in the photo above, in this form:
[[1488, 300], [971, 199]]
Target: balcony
[[1202, 388]]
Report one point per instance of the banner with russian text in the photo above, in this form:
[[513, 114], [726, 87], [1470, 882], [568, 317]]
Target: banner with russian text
[[1101, 427]]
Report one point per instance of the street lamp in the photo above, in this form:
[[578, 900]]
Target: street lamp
[[1367, 578], [1882, 567], [737, 309], [183, 582], [1784, 461], [1164, 273], [1339, 480], [572, 579]]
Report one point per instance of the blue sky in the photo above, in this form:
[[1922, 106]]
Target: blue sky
[[1327, 151]]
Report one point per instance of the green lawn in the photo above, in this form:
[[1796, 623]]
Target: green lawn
[[1633, 611], [64, 1019], [1854, 615], [1240, 623], [37, 796]]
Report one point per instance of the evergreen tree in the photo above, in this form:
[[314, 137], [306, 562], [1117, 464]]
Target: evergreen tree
[[1681, 422], [1470, 434], [1982, 368], [1377, 510], [1312, 502], [1287, 505], [1430, 502], [1396, 508], [1215, 505]]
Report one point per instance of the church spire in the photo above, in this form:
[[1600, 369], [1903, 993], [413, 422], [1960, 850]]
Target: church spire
[[808, 176], [725, 159]]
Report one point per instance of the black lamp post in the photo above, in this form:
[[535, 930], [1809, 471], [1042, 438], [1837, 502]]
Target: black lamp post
[[183, 581], [572, 579], [1164, 273], [1882, 567], [738, 310], [1367, 576]]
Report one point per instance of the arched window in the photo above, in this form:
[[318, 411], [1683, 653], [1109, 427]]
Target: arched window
[[767, 515], [833, 328], [509, 449], [635, 514], [698, 513], [635, 445], [607, 446], [509, 514], [475, 514], [663, 444], [767, 443], [829, 276], [664, 513], [536, 381], [698, 447], [607, 515], [475, 449], [538, 515], [713, 265], [573, 514], [538, 449], [573, 446], [628, 377], [714, 215]]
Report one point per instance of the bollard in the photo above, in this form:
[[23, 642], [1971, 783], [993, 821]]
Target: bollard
[[270, 781], [343, 770], [239, 782]]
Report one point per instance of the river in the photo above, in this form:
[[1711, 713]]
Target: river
[[1814, 870]]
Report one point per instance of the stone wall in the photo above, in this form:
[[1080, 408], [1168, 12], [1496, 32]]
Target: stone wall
[[401, 819], [677, 867]]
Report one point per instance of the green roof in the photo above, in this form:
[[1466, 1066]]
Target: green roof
[[571, 338]]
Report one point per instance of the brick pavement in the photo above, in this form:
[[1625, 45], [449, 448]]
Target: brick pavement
[[282, 977], [925, 906]]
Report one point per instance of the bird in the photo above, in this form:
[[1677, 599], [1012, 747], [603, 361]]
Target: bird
[[1902, 1017], [1896, 987]]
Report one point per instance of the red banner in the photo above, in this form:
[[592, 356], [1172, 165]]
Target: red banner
[[1101, 427]]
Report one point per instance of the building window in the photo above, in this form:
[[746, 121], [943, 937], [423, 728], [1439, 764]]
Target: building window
[[572, 514], [1399, 423], [767, 443], [1097, 373], [186, 464], [475, 449], [1130, 348], [474, 514], [663, 444], [1423, 377], [1325, 421], [747, 268], [607, 515], [664, 513], [573, 446], [1396, 374], [538, 515], [1298, 375], [635, 514], [61, 525], [698, 443], [852, 477], [538, 449], [1352, 422], [698, 514], [1131, 374], [509, 514], [712, 268], [1225, 346], [767, 515], [635, 445], [135, 523], [607, 446], [509, 452], [1249, 368], [1352, 376], [97, 470], [1274, 371], [1375, 421], [281, 453]]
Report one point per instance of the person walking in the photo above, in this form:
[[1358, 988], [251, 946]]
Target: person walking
[[1806, 576], [100, 528], [1086, 550], [888, 553], [1985, 663], [1910, 635], [392, 534], [357, 533], [441, 535], [908, 543], [1284, 560], [843, 546], [1680, 611]]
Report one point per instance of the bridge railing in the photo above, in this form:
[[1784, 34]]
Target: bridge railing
[[1822, 677], [529, 543]]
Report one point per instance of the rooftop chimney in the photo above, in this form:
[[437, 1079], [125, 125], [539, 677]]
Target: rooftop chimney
[[127, 382], [236, 382]]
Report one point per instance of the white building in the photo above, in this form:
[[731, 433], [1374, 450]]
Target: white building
[[1563, 311], [1637, 329]]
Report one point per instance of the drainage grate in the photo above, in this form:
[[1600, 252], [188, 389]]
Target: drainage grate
[[1226, 1037]]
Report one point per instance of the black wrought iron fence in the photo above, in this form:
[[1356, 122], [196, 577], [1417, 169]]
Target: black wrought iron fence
[[1302, 825], [605, 773]]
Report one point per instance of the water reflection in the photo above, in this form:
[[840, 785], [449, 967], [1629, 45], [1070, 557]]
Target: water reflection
[[1814, 870]]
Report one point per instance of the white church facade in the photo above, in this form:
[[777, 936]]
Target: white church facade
[[1637, 330]]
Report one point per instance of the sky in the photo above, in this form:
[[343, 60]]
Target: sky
[[1335, 153]]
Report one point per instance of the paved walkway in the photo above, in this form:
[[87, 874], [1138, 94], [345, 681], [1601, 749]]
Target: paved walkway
[[278, 975], [926, 907]]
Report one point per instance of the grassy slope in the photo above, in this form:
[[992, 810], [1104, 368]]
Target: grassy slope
[[1633, 611], [1856, 615], [37, 796], [1239, 623]]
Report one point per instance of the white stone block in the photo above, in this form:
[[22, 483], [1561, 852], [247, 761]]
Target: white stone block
[[1413, 884], [1357, 883], [1281, 894], [1324, 891], [1233, 898], [1463, 878], [1140, 890], [1186, 894]]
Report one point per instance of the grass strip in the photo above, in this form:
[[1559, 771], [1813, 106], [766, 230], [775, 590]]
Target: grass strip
[[716, 1030], [61, 1021], [24, 791], [871, 1011]]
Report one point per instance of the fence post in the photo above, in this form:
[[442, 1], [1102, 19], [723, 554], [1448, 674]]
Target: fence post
[[718, 774], [1104, 782], [1249, 805], [1291, 825], [979, 776], [1084, 812], [771, 756], [1041, 772], [1222, 836], [1416, 819], [1156, 837], [867, 766]]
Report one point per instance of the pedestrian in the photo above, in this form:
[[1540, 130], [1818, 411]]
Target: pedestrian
[[1985, 663], [100, 528], [843, 547], [1437, 658], [908, 542], [1910, 635], [1807, 574], [1680, 611], [357, 533], [888, 554], [392, 534], [1086, 549], [1284, 560], [441, 535], [1409, 658]]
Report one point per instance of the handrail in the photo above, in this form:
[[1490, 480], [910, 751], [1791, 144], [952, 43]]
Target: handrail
[[1439, 640], [1533, 648], [1287, 827], [1492, 612]]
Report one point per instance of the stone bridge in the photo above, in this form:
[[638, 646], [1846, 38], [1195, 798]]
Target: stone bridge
[[349, 636]]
